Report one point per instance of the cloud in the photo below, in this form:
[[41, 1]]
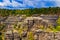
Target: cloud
[[5, 3], [20, 4], [57, 2], [1, 4]]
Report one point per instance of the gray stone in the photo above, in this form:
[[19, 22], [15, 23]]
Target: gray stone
[[9, 35]]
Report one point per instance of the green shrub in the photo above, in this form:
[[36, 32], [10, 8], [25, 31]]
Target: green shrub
[[30, 36], [0, 38], [2, 27], [58, 21], [58, 28], [55, 30]]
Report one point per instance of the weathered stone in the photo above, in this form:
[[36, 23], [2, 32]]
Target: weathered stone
[[16, 36], [24, 34], [44, 35], [51, 18], [29, 22], [10, 35], [32, 24], [57, 36], [35, 15]]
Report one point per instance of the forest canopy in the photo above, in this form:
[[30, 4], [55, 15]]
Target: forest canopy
[[50, 10]]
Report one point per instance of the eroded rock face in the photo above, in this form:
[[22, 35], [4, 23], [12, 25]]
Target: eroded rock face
[[32, 24], [41, 35], [38, 35], [46, 21], [30, 21], [9, 35], [57, 36], [51, 18]]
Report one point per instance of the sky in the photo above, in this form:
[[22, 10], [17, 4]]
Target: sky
[[24, 4]]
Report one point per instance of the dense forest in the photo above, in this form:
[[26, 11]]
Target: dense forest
[[50, 10]]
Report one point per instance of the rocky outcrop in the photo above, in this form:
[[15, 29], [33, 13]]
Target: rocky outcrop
[[42, 18], [10, 35], [32, 24], [46, 21], [41, 35]]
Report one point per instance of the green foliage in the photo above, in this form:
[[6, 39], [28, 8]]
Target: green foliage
[[2, 27], [58, 28], [20, 31], [15, 26], [30, 36], [58, 21], [51, 29], [0, 38], [28, 12], [58, 25], [55, 30]]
